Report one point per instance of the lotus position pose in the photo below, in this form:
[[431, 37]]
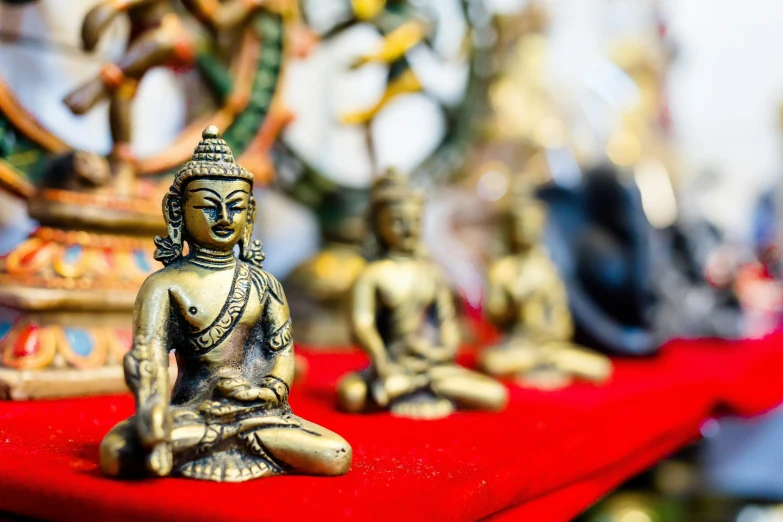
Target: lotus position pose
[[158, 36], [227, 417], [403, 317], [527, 301]]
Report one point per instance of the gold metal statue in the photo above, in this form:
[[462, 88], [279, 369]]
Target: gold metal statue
[[227, 417], [403, 317], [527, 301]]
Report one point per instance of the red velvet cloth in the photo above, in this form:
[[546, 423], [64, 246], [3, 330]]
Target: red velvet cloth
[[546, 458]]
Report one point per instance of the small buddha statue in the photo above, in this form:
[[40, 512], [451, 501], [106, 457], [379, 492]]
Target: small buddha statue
[[227, 417], [527, 301], [402, 315]]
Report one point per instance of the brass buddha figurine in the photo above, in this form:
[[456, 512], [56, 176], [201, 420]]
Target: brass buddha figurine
[[527, 301], [402, 315], [227, 417]]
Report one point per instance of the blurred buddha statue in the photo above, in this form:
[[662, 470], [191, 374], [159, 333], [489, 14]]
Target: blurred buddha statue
[[527, 300], [408, 74], [403, 316], [227, 417]]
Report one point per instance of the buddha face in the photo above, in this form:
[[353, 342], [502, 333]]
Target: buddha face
[[398, 226], [215, 211]]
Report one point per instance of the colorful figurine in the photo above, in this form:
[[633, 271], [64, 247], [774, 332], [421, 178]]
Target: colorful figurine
[[159, 36], [67, 291], [527, 301], [227, 417], [403, 317]]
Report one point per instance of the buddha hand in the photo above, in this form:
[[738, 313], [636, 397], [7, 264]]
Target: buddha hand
[[153, 424], [429, 354], [154, 429], [159, 460], [421, 348], [272, 390], [395, 383]]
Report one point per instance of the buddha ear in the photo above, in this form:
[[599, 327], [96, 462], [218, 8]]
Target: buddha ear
[[172, 215], [250, 222], [249, 250], [170, 247]]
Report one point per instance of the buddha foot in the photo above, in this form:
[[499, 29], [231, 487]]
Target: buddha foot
[[544, 378], [422, 406], [229, 466]]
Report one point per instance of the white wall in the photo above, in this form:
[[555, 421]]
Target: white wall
[[725, 85]]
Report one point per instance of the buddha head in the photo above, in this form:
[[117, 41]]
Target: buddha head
[[395, 214], [526, 217], [210, 204]]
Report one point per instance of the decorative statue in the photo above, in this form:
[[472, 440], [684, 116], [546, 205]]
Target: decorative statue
[[159, 36], [227, 417], [67, 291], [403, 317], [427, 58], [527, 301]]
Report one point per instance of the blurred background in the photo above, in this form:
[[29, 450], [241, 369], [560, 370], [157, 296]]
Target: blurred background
[[674, 105]]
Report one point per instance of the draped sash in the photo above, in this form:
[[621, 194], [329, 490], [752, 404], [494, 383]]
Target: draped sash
[[205, 340]]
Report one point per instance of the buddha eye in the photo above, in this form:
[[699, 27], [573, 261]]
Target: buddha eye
[[209, 204], [236, 204]]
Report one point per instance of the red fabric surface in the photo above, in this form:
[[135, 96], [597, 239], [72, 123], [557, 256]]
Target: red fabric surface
[[546, 458], [566, 503]]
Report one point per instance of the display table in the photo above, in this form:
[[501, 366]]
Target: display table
[[546, 458]]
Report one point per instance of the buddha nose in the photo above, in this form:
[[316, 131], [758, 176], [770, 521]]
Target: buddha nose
[[223, 216]]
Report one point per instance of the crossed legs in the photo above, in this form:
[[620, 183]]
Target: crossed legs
[[307, 448], [466, 388]]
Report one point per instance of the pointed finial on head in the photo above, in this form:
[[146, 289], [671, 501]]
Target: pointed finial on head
[[211, 132], [393, 187], [212, 157]]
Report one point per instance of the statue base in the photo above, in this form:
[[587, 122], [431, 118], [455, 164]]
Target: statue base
[[24, 385], [422, 405], [67, 292]]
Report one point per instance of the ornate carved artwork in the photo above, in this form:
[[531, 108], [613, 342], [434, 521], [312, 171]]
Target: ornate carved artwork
[[67, 292]]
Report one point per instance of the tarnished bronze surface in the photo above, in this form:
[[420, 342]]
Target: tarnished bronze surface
[[227, 417], [403, 317], [527, 301]]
